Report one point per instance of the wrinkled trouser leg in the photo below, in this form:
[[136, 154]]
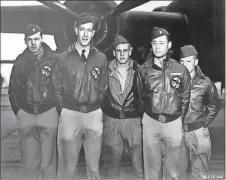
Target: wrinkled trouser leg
[[152, 148], [69, 142], [47, 123], [132, 136], [175, 156], [93, 129], [29, 148], [113, 139], [198, 144]]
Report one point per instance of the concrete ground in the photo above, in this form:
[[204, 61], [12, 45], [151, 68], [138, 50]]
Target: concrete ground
[[10, 154]]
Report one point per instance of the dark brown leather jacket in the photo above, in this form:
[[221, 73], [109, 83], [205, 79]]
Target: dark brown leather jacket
[[166, 90], [31, 86], [77, 82], [204, 102]]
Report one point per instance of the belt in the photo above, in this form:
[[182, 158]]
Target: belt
[[120, 114], [164, 118], [84, 108], [193, 126], [37, 108]]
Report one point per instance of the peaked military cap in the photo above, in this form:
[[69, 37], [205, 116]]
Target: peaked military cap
[[32, 29], [158, 32], [188, 50], [119, 40]]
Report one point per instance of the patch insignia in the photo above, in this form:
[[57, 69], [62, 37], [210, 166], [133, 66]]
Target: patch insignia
[[46, 70], [95, 72], [175, 82]]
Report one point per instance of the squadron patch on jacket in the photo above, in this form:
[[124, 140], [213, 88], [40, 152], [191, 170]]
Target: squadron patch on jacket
[[46, 70], [175, 82], [95, 72]]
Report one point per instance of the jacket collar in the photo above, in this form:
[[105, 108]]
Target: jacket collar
[[199, 72], [113, 66], [47, 51], [72, 48], [150, 59]]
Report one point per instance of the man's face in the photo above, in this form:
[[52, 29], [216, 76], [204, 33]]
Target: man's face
[[160, 46], [122, 53], [189, 62], [34, 42], [85, 33]]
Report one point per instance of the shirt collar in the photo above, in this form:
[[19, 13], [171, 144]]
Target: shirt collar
[[113, 65], [79, 48], [150, 59]]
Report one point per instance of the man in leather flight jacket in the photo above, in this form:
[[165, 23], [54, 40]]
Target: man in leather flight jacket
[[203, 109], [32, 100], [77, 82], [122, 106], [165, 98]]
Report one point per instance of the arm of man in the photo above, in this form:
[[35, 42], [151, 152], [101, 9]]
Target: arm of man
[[212, 103], [185, 93], [13, 90], [103, 81], [58, 84]]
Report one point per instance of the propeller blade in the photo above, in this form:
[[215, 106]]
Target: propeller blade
[[56, 5], [123, 7]]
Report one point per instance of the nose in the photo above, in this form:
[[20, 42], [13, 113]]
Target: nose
[[157, 46], [32, 41], [121, 53], [86, 33]]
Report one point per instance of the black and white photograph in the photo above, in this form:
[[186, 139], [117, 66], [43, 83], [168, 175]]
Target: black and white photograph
[[130, 89]]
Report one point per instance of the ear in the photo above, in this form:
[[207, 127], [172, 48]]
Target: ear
[[130, 51], [169, 44], [114, 52], [196, 62], [76, 30], [93, 33]]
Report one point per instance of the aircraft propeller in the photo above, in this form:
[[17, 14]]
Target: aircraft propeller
[[123, 7]]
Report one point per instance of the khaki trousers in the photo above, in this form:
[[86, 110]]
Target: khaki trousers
[[198, 144], [75, 129], [38, 143], [163, 149]]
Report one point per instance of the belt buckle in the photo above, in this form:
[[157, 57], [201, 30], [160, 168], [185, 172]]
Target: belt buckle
[[35, 109], [121, 114], [185, 127], [162, 118]]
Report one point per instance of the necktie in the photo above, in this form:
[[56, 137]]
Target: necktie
[[83, 55]]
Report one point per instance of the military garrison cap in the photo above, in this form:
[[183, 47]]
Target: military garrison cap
[[32, 29], [119, 40], [85, 18], [188, 50], [158, 32]]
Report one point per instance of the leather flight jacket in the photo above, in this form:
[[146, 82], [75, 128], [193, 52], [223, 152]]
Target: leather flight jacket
[[114, 109], [166, 91], [77, 81], [204, 102], [31, 85]]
